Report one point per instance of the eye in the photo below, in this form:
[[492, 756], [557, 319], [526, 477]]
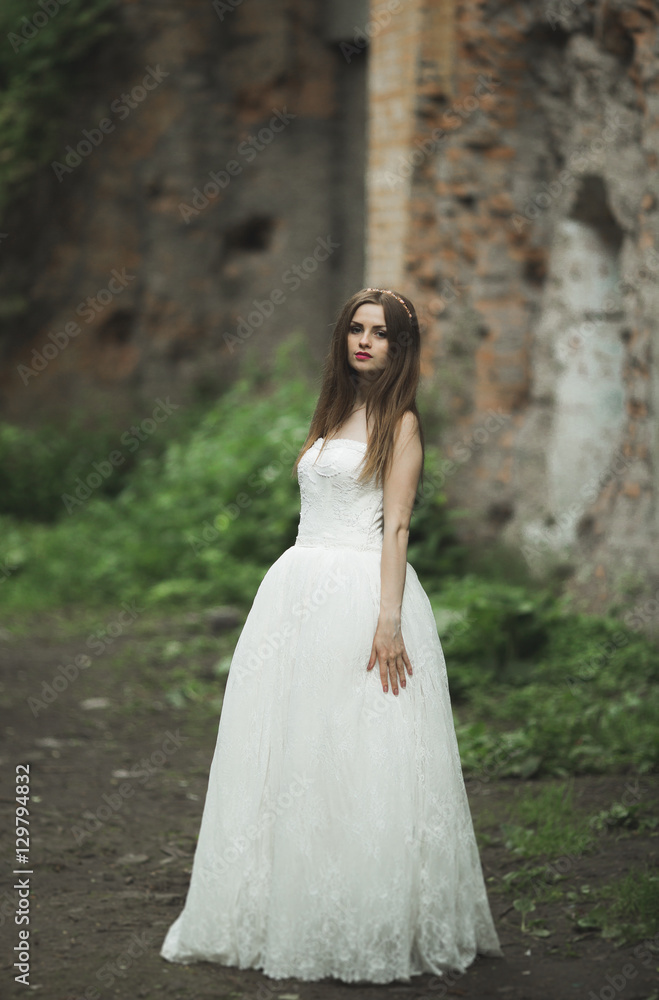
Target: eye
[[356, 328]]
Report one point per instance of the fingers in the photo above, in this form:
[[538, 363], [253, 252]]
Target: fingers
[[383, 663], [393, 673], [400, 667], [392, 667]]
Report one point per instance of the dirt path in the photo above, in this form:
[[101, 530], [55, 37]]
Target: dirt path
[[117, 794]]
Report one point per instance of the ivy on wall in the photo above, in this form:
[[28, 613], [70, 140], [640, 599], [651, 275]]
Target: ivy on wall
[[44, 46]]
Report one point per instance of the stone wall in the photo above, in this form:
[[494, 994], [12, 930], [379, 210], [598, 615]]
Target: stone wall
[[530, 189], [511, 189], [209, 200]]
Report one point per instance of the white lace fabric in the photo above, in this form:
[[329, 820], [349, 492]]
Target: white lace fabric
[[336, 838], [349, 516]]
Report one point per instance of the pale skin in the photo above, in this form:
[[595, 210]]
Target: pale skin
[[368, 333]]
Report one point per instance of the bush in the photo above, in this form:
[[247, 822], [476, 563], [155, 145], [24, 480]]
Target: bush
[[542, 690], [200, 521], [37, 468]]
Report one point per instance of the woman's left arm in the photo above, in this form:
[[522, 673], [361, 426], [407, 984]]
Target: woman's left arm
[[399, 491]]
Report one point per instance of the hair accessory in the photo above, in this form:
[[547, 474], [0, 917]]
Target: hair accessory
[[389, 292]]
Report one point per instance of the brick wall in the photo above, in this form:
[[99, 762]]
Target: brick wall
[[394, 33], [535, 131]]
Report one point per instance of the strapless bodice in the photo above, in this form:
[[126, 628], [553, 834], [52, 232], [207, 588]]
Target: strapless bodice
[[336, 510]]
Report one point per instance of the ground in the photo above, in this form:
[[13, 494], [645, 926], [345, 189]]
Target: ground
[[117, 792]]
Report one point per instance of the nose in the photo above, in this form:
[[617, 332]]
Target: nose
[[365, 339]]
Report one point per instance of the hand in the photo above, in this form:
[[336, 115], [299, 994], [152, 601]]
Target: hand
[[389, 650]]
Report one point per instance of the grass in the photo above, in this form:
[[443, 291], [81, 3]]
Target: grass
[[546, 829], [547, 823], [543, 820], [633, 903], [626, 909]]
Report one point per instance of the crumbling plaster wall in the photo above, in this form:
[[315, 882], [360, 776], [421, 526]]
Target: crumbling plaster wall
[[531, 251]]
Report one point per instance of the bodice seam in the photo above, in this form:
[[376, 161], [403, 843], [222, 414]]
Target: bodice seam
[[362, 444]]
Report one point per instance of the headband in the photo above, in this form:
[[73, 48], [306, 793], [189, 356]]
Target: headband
[[389, 292]]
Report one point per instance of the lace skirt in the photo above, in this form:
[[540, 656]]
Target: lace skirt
[[336, 838]]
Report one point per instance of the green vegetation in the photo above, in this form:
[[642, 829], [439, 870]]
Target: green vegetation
[[44, 56], [200, 510], [550, 831], [630, 908], [200, 522], [38, 468], [539, 689], [546, 823], [541, 821]]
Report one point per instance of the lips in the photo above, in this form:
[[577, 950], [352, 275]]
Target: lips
[[362, 354]]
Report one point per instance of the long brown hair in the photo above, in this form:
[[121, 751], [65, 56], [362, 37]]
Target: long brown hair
[[387, 397]]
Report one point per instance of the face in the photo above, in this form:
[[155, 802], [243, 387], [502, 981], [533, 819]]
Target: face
[[368, 346]]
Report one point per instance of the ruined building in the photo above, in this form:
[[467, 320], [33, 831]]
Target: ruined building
[[262, 159]]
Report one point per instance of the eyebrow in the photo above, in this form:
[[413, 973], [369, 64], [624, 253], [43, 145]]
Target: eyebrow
[[377, 326]]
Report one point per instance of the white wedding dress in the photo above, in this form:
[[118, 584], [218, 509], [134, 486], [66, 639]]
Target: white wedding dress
[[336, 838]]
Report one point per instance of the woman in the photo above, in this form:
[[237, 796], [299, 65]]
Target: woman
[[336, 838]]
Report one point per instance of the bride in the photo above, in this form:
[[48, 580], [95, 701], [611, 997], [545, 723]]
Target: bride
[[336, 838]]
